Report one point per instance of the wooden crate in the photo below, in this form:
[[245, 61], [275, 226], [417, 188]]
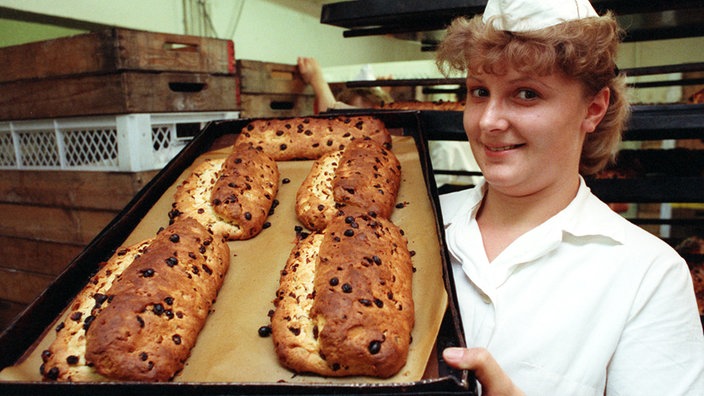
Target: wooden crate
[[113, 50], [267, 89], [117, 93], [48, 218], [257, 77], [276, 105]]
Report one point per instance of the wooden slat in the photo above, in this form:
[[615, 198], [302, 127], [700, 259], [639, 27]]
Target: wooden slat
[[276, 105], [53, 224], [44, 257], [49, 217], [139, 50], [87, 190], [22, 287], [113, 50], [273, 78], [118, 93]]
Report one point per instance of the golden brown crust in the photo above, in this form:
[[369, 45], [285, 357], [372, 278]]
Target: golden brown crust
[[364, 175], [311, 137], [158, 305], [315, 203], [64, 360], [368, 177], [361, 310], [178, 279], [230, 197], [245, 191]]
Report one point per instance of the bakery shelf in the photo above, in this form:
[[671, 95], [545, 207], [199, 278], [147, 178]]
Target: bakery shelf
[[455, 85], [650, 190], [672, 121], [652, 20], [405, 82], [665, 69], [647, 122]]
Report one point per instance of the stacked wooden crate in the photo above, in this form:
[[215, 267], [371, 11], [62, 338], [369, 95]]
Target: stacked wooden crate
[[49, 216], [272, 90], [116, 71]]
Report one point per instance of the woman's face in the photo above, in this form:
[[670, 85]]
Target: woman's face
[[526, 131]]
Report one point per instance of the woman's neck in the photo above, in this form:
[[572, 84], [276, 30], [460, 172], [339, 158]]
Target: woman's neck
[[502, 218]]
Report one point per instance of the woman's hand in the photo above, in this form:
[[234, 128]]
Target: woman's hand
[[490, 375], [310, 70], [312, 74]]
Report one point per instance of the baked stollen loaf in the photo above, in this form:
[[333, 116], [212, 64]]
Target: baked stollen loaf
[[64, 360], [140, 315], [364, 175], [230, 197], [311, 137], [344, 305]]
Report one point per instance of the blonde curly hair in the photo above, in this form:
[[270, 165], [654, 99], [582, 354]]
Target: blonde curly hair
[[584, 49]]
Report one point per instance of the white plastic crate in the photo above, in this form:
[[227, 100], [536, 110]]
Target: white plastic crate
[[118, 143]]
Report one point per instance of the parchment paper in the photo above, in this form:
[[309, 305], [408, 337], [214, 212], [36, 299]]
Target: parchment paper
[[229, 348]]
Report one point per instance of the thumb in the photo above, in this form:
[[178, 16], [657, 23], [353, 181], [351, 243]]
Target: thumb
[[494, 381]]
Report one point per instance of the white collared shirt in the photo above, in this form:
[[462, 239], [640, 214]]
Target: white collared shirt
[[584, 304]]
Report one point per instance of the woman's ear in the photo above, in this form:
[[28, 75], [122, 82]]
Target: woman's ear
[[596, 110]]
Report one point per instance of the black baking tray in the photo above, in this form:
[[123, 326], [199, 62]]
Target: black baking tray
[[29, 326]]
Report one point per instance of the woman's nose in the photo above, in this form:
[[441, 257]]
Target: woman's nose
[[493, 116]]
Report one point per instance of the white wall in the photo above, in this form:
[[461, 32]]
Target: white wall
[[273, 32], [154, 15]]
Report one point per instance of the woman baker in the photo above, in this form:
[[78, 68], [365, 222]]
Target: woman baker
[[559, 295]]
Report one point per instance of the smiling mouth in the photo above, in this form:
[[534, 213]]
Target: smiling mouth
[[504, 148]]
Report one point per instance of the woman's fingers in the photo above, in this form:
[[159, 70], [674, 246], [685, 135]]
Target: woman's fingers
[[494, 381]]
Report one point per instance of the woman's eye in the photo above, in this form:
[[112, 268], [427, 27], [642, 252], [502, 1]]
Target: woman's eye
[[479, 92], [527, 94]]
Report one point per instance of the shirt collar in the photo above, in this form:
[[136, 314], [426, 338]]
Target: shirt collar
[[467, 210], [585, 216]]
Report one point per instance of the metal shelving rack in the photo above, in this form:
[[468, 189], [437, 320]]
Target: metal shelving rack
[[651, 20]]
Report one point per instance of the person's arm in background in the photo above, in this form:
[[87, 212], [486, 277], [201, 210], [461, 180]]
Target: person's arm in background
[[312, 74]]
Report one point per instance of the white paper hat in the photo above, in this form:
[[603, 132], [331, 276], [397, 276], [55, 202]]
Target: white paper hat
[[527, 15], [365, 74]]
